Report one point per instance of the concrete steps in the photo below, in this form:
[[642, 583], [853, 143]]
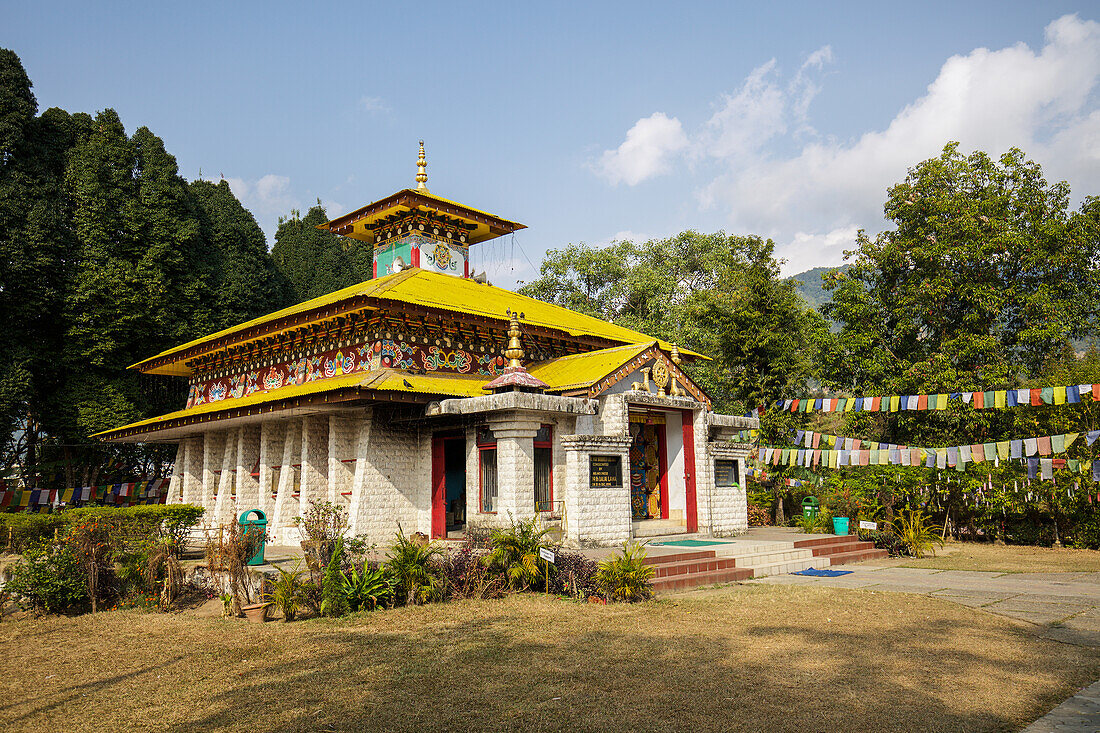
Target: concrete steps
[[842, 549], [684, 570]]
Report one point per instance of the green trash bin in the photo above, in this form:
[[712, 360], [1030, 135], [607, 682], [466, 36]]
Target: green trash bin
[[810, 507], [259, 524]]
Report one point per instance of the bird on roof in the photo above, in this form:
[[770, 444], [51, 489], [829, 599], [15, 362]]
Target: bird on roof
[[406, 383]]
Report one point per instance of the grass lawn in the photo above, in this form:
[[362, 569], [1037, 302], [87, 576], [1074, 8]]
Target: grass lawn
[[1009, 559], [745, 658]]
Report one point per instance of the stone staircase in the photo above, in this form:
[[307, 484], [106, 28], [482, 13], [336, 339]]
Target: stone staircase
[[683, 570], [746, 558], [841, 550]]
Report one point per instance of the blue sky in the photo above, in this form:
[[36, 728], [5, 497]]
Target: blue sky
[[585, 121]]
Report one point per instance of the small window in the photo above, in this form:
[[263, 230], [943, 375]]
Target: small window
[[726, 473], [544, 475], [488, 456]]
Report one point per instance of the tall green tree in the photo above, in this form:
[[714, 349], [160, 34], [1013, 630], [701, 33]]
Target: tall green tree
[[248, 284], [317, 262], [985, 275], [714, 293]]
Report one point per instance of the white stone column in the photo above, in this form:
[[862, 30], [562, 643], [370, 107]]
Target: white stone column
[[225, 502], [281, 520], [515, 466], [248, 453], [213, 449], [357, 511], [342, 436], [175, 483], [596, 515], [314, 482], [191, 470], [272, 435]]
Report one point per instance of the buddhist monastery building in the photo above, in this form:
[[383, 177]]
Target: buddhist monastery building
[[432, 400]]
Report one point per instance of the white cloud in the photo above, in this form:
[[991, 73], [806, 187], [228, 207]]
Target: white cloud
[[267, 197], [1042, 101], [646, 152], [373, 104]]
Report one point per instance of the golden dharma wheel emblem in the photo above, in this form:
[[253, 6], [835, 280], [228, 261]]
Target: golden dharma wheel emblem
[[660, 376]]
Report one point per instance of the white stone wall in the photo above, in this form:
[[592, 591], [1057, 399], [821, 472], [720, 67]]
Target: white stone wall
[[730, 503], [343, 433], [314, 472], [281, 519], [393, 482], [595, 516], [272, 436], [213, 448], [248, 453], [225, 502]]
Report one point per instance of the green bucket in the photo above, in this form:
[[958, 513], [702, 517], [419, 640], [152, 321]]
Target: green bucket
[[840, 525]]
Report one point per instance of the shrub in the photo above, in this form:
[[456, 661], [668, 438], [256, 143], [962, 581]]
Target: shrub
[[322, 524], [466, 576], [515, 551], [334, 599], [575, 576], [913, 528], [625, 576], [50, 579], [415, 570], [889, 541], [21, 531], [137, 524], [367, 590], [759, 516], [286, 592]]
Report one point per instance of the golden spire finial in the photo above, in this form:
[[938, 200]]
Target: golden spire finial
[[676, 355], [421, 174], [514, 352]]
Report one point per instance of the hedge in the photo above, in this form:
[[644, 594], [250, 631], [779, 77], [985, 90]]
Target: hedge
[[154, 521]]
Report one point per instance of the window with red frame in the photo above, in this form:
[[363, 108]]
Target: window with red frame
[[487, 473], [544, 472]]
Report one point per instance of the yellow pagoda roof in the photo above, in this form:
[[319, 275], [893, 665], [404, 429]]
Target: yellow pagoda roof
[[578, 371], [412, 286], [359, 224], [356, 385]]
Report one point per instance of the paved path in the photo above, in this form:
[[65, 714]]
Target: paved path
[[1066, 606]]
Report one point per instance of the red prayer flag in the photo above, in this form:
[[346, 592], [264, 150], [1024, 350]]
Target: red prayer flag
[[1096, 392], [794, 405], [1044, 446], [876, 403], [922, 402], [1036, 397], [979, 400]]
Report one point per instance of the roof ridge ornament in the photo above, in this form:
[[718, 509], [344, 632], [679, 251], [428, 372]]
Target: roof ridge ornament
[[421, 172], [515, 377], [514, 352]]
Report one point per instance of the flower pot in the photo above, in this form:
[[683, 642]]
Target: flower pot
[[840, 525], [256, 613]]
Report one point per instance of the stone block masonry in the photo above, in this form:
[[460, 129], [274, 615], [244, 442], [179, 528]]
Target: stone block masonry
[[595, 515]]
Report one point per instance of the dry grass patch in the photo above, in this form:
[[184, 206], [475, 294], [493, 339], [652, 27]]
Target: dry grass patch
[[746, 658], [1009, 559]]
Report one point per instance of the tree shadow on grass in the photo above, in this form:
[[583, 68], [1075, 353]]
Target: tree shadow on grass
[[480, 676]]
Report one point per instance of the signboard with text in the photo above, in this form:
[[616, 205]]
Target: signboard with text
[[605, 472]]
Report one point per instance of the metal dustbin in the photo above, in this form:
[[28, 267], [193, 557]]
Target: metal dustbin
[[810, 507], [255, 525]]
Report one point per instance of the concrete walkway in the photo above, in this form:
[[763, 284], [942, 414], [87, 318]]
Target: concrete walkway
[[1065, 607]]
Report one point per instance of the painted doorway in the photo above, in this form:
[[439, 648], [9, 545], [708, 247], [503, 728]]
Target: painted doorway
[[448, 483], [648, 467]]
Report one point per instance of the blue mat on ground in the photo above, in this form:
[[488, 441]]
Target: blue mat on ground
[[822, 573]]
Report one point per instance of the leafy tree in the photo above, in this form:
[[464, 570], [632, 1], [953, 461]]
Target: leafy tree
[[317, 262], [248, 283], [699, 290]]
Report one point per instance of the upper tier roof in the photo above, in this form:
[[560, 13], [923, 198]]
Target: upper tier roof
[[412, 286], [359, 224]]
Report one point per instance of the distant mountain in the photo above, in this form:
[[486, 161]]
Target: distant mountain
[[809, 285]]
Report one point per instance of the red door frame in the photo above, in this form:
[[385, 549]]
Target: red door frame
[[439, 482], [688, 421]]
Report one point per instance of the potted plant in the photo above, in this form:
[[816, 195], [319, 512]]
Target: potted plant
[[256, 612]]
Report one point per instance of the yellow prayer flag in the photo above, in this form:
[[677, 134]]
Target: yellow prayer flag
[[1070, 437], [1059, 395], [941, 402], [895, 403], [1002, 449], [999, 398]]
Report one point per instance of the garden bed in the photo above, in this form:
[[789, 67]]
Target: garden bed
[[744, 658]]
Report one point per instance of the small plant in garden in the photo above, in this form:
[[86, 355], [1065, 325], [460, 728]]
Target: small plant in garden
[[415, 570], [625, 576], [367, 590], [163, 573], [913, 528], [322, 524], [50, 579], [515, 551], [334, 599], [286, 591], [228, 604], [759, 516], [466, 576], [230, 555]]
